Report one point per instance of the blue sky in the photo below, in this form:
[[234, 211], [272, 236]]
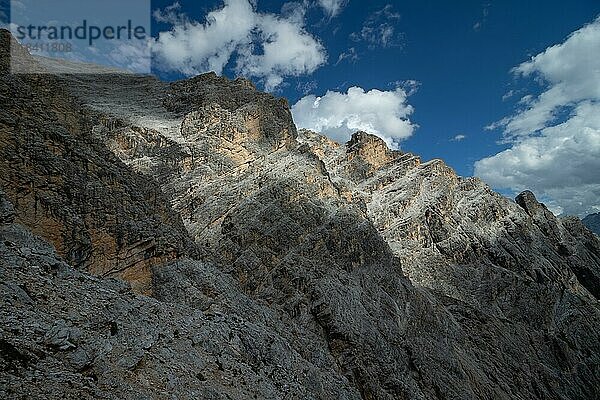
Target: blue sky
[[427, 76], [70, 13], [463, 69]]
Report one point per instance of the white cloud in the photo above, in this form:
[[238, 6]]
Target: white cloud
[[458, 138], [133, 56], [351, 55], [571, 71], [170, 14], [338, 115], [379, 29], [306, 87], [332, 7], [191, 47], [558, 158], [410, 86], [508, 95], [264, 46], [295, 11], [287, 50]]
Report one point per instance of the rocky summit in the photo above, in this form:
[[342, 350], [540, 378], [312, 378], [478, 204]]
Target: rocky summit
[[185, 240]]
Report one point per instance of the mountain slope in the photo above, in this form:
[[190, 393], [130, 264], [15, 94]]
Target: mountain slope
[[305, 268], [68, 187]]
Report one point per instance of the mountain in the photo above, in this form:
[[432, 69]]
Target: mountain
[[592, 222], [185, 240]]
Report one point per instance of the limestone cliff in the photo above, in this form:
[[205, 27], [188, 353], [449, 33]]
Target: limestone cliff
[[280, 264], [68, 187]]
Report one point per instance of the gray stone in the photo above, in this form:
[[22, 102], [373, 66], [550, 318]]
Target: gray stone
[[301, 268]]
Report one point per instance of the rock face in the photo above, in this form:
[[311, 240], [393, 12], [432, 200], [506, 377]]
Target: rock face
[[592, 222], [67, 334], [280, 264], [69, 188]]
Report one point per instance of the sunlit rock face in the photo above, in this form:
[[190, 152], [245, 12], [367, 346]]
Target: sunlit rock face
[[281, 264]]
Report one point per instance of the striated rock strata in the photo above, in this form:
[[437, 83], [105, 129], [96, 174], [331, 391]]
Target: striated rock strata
[[280, 264], [68, 187]]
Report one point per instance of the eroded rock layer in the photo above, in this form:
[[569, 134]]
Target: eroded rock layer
[[280, 264], [69, 188]]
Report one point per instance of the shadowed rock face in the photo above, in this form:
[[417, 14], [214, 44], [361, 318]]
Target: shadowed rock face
[[302, 269], [69, 188]]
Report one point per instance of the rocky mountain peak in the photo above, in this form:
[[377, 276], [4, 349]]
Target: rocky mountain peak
[[280, 264], [68, 187], [5, 39], [543, 217], [529, 203], [7, 42], [367, 153], [264, 116], [368, 146]]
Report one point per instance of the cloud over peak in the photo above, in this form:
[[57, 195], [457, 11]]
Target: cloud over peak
[[571, 72], [260, 45], [338, 115]]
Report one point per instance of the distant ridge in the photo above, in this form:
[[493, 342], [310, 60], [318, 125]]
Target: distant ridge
[[592, 222]]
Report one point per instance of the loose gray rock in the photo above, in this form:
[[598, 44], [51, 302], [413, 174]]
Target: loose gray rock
[[280, 264]]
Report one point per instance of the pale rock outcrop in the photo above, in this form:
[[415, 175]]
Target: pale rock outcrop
[[306, 268]]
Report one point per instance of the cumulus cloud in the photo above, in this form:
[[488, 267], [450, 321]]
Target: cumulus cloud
[[295, 11], [192, 47], [264, 46], [558, 158], [332, 7], [338, 115], [170, 14], [379, 30], [571, 71], [287, 50], [458, 138]]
